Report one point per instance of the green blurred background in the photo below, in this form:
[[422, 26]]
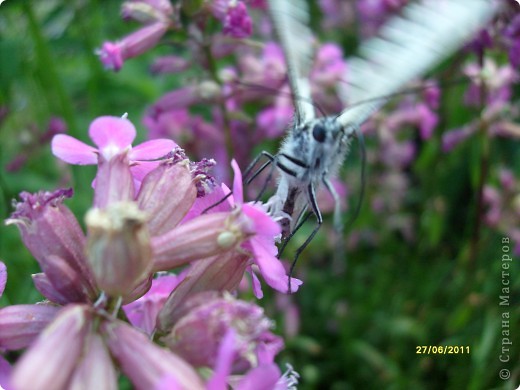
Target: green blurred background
[[359, 322]]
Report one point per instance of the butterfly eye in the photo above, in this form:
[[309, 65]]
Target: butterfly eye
[[318, 132]]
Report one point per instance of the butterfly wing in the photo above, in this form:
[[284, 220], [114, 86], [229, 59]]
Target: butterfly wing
[[290, 19], [406, 47]]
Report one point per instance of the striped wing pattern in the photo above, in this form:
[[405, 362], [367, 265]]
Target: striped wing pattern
[[407, 46], [290, 18]]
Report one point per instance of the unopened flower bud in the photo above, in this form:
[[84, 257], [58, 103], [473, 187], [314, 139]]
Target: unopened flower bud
[[48, 228], [113, 55], [202, 237], [118, 247], [208, 321], [166, 195], [221, 272]]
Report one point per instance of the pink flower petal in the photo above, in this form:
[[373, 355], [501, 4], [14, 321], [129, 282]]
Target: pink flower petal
[[257, 287], [262, 377], [237, 183], [152, 150], [264, 224], [226, 355], [111, 134], [5, 373], [3, 277], [272, 269], [73, 151], [168, 382]]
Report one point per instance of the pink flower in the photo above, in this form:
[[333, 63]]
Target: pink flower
[[113, 55], [208, 317], [237, 22], [113, 136], [143, 312], [266, 375], [234, 16], [263, 231]]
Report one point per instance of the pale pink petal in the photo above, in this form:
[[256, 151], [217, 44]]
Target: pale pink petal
[[112, 132], [225, 357], [151, 150], [73, 151], [3, 277], [262, 377], [168, 382], [5, 373], [257, 287], [237, 183], [272, 269]]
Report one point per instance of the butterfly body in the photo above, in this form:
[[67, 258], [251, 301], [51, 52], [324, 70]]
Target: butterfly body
[[310, 155]]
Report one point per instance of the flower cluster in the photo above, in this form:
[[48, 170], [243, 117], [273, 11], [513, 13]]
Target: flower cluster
[[146, 219]]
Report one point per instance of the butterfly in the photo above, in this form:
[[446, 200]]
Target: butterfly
[[315, 147]]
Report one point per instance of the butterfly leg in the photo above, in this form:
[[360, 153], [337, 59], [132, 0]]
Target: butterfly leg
[[311, 192], [250, 167], [301, 220]]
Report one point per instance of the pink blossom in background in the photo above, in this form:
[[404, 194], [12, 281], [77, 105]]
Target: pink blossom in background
[[114, 54], [3, 277]]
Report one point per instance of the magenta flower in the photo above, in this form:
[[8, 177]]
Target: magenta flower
[[142, 313], [113, 55], [233, 15], [237, 22], [263, 231], [113, 136]]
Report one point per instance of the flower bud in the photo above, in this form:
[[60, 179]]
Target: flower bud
[[198, 334], [222, 272], [21, 324], [166, 195], [199, 238], [118, 247], [66, 281], [51, 360], [45, 287], [49, 228], [113, 55]]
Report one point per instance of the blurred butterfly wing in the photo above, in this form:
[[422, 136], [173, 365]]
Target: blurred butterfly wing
[[407, 46], [290, 19]]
